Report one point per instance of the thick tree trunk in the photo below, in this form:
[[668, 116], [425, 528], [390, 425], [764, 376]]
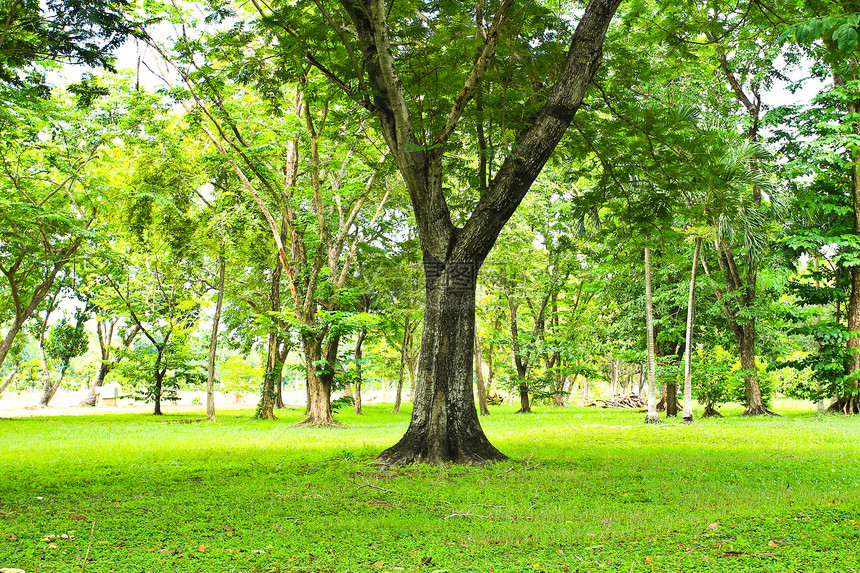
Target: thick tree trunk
[[445, 426], [652, 417], [525, 405], [10, 378], [479, 377], [320, 379], [213, 343], [98, 381], [50, 389], [710, 412], [671, 400], [688, 339], [746, 349]]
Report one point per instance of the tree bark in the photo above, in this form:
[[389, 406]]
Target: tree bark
[[266, 405], [444, 425], [688, 339], [319, 362], [403, 350], [213, 343], [50, 388], [479, 377], [671, 400], [849, 402], [359, 374], [652, 417]]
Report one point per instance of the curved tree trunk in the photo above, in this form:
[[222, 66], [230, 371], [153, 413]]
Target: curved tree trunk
[[50, 388], [10, 378], [105, 330], [652, 417]]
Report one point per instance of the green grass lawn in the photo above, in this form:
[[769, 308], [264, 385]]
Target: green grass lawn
[[586, 490]]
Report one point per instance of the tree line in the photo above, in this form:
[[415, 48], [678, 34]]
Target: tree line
[[566, 194]]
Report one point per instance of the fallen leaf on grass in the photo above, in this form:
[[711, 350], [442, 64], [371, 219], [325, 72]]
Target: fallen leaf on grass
[[772, 544], [733, 553], [257, 551], [201, 548], [167, 551], [648, 561], [714, 525], [379, 564], [13, 537], [77, 517], [426, 560]]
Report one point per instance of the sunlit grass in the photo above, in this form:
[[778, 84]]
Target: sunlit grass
[[586, 489]]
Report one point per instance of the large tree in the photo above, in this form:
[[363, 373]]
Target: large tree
[[379, 47]]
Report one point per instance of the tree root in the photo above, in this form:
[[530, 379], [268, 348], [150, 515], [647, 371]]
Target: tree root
[[758, 411], [310, 422], [711, 412], [409, 451]]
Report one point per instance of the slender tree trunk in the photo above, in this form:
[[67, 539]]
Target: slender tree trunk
[[213, 343], [652, 417], [266, 405], [479, 377], [10, 378], [403, 350], [688, 340], [283, 352], [359, 378], [849, 402], [159, 383], [47, 379]]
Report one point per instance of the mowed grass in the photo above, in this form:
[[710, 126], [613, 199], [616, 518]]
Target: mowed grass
[[586, 490]]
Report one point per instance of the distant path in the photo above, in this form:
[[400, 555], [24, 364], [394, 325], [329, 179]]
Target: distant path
[[31, 412]]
